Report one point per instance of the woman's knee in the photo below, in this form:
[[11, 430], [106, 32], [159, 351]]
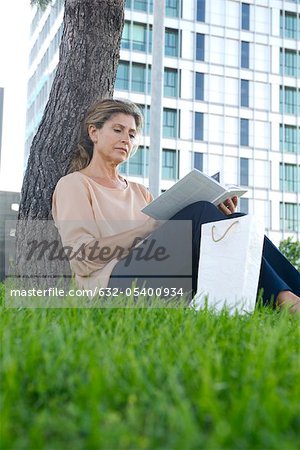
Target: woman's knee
[[188, 212]]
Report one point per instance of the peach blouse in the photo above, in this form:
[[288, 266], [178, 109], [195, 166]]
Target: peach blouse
[[85, 211]]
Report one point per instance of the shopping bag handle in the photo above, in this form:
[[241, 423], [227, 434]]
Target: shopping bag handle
[[222, 237]]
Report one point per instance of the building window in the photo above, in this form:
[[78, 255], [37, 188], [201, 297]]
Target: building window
[[170, 82], [289, 177], [198, 161], [288, 62], [289, 23], [171, 42], [122, 80], [143, 5], [169, 168], [289, 216], [138, 164], [172, 8], [170, 123], [200, 46], [198, 134], [146, 116], [128, 4], [245, 93], [125, 42], [199, 86], [245, 16], [138, 80], [244, 132], [289, 100], [244, 205], [201, 10], [149, 42], [289, 138], [245, 54], [244, 171], [139, 33]]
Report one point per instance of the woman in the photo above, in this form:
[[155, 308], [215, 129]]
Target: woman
[[98, 214]]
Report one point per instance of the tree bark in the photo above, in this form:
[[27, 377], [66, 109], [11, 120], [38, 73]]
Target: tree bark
[[88, 61]]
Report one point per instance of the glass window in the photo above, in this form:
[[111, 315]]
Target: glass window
[[198, 134], [244, 205], [289, 216], [138, 81], [245, 16], [146, 115], [171, 42], [125, 42], [200, 46], [168, 164], [289, 23], [244, 132], [138, 164], [170, 82], [128, 4], [199, 86], [288, 62], [244, 171], [198, 161], [122, 79], [169, 123], [139, 32], [141, 5], [289, 138], [245, 93], [289, 177], [149, 80], [289, 100], [150, 39], [172, 8], [245, 55], [201, 10]]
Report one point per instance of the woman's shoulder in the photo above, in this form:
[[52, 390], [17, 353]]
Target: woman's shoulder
[[71, 178], [72, 182], [141, 189]]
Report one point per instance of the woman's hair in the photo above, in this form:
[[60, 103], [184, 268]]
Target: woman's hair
[[97, 115]]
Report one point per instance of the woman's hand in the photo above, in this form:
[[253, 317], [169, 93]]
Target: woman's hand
[[152, 224], [229, 206]]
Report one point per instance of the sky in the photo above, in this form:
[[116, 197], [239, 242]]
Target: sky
[[14, 45]]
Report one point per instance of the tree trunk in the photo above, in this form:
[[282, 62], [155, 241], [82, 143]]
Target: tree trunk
[[88, 60]]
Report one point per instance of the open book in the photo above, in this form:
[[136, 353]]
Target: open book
[[194, 187]]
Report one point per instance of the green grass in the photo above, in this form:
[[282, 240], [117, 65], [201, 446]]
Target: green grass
[[148, 379]]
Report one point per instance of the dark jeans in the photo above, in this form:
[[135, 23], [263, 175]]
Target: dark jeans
[[276, 275]]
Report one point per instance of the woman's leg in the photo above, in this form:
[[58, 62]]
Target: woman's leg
[[278, 277], [277, 274], [184, 266]]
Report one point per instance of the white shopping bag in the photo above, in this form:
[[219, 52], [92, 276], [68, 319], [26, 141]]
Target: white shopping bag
[[229, 265]]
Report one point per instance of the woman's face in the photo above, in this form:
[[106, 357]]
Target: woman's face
[[115, 140]]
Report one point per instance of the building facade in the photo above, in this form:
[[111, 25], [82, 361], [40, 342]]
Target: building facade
[[231, 97], [1, 118]]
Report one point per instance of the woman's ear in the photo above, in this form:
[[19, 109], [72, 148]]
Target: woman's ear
[[92, 131]]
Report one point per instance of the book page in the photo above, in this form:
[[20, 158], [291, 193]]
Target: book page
[[194, 187], [229, 193]]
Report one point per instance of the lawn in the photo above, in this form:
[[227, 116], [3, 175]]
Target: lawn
[[125, 378]]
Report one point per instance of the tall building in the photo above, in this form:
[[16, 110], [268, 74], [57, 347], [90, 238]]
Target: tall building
[[231, 99], [1, 118]]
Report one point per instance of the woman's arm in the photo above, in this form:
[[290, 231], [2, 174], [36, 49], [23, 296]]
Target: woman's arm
[[74, 217]]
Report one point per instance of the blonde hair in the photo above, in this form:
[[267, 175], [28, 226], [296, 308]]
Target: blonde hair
[[97, 115]]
